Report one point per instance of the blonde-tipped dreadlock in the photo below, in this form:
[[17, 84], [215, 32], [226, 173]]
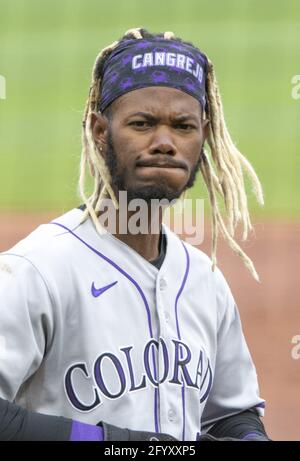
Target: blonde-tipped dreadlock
[[222, 173]]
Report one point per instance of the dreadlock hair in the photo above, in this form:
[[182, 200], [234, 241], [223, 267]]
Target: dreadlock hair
[[222, 170]]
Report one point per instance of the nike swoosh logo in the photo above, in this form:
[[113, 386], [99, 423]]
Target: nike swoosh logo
[[98, 291]]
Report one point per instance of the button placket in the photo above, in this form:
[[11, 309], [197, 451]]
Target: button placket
[[171, 415], [162, 284]]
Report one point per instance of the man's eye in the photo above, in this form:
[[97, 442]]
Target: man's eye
[[140, 124], [185, 126]]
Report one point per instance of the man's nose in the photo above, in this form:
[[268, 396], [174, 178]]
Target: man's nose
[[162, 142]]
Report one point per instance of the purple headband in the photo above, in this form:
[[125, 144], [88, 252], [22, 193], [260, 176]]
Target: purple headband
[[141, 63]]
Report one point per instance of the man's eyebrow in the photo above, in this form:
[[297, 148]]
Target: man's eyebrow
[[186, 117], [146, 115], [177, 118]]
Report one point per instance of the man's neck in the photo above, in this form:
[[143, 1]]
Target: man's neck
[[146, 245], [146, 242]]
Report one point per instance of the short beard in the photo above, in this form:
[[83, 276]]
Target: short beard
[[146, 193]]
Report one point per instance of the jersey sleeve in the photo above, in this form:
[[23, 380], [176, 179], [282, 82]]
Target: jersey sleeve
[[26, 322], [235, 385]]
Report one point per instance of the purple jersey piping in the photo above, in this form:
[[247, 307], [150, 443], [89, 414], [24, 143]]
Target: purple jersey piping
[[144, 301], [178, 329], [261, 405]]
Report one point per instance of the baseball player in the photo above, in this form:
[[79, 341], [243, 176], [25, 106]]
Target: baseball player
[[123, 335]]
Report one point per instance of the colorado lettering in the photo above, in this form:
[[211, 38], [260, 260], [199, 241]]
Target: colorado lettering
[[180, 61], [112, 376], [73, 398]]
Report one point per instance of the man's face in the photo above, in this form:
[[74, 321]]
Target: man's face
[[152, 143]]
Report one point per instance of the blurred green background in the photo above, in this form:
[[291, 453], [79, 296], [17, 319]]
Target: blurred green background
[[47, 49]]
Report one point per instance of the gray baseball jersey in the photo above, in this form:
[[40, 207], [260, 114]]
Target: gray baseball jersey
[[92, 331]]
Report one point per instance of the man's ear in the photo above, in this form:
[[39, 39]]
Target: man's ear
[[205, 128], [99, 126]]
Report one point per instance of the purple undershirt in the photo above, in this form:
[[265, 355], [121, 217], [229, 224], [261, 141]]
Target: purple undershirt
[[82, 432]]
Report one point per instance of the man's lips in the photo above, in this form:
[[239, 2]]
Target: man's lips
[[163, 163]]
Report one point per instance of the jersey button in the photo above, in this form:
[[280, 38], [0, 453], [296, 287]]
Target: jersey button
[[171, 415], [162, 284], [167, 316]]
